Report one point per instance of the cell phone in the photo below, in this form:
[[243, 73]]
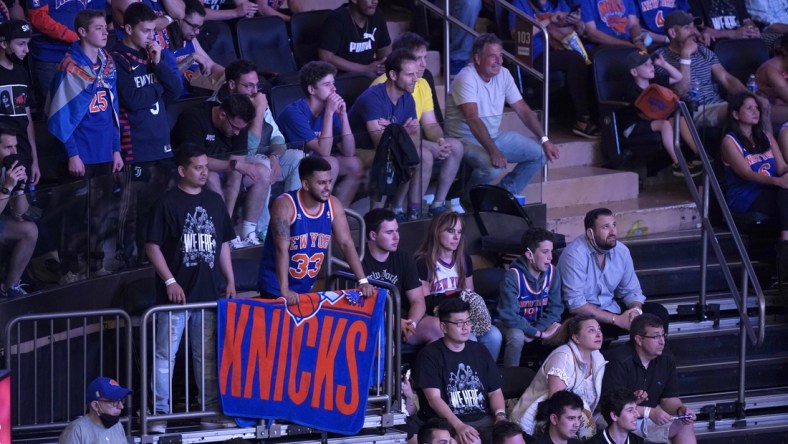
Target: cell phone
[[406, 376], [682, 417], [574, 9]]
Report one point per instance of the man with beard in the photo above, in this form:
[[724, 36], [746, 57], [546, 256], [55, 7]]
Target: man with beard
[[641, 367], [392, 103], [302, 223], [105, 398], [598, 277], [700, 67], [355, 38]]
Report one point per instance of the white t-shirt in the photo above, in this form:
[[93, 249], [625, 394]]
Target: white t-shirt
[[489, 97]]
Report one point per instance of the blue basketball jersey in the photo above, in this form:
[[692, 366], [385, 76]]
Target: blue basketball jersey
[[741, 193], [531, 300], [310, 235]]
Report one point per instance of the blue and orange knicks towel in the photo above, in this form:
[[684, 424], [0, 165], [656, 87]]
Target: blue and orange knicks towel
[[309, 363]]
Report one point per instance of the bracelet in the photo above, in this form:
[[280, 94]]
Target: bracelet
[[687, 62], [363, 281], [169, 19], [646, 412], [637, 309], [169, 281], [500, 412], [613, 319], [545, 139]]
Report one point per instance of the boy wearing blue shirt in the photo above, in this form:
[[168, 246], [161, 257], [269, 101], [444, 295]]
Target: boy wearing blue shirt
[[83, 106], [320, 119]]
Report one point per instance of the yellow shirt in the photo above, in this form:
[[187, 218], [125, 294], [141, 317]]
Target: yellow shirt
[[422, 95]]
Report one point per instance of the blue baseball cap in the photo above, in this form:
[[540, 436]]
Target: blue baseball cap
[[106, 388]]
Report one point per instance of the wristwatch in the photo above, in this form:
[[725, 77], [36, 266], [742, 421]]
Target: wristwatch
[[5, 191]]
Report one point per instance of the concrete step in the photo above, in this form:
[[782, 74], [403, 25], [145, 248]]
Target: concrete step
[[578, 185], [656, 210]]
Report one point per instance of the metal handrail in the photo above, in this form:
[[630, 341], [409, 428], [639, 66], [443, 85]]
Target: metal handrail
[[360, 245], [710, 182], [448, 20], [85, 323]]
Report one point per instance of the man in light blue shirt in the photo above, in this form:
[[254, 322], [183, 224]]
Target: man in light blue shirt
[[598, 277]]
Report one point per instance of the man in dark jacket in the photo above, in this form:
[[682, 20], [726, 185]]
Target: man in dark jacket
[[529, 300], [147, 78]]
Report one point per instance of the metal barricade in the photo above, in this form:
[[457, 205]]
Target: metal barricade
[[166, 314], [169, 316], [390, 392], [54, 356]]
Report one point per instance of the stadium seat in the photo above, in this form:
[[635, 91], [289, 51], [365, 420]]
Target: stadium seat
[[283, 95], [264, 41], [216, 39], [741, 57], [609, 73], [351, 85], [305, 27], [510, 220]]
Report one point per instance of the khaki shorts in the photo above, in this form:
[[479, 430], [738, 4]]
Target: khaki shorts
[[652, 432], [711, 115]]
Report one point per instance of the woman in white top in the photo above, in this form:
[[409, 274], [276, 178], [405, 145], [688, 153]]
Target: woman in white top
[[577, 366]]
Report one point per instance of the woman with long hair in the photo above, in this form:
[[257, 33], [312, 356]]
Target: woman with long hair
[[445, 270], [577, 366], [756, 174]]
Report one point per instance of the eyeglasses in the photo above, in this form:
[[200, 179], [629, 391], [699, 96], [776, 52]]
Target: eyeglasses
[[461, 324], [117, 404], [196, 28], [657, 337], [249, 85], [236, 129]]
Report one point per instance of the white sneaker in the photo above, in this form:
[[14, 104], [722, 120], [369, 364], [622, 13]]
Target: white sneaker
[[250, 240], [157, 427], [218, 422]]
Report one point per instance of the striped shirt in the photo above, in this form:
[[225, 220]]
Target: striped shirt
[[700, 72]]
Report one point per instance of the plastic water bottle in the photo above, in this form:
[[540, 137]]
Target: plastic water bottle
[[31, 189], [693, 96], [752, 85]]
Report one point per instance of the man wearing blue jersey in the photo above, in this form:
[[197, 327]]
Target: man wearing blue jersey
[[302, 223]]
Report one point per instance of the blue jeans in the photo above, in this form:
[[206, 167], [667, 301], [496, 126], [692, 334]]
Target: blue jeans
[[292, 181], [492, 340], [199, 321], [461, 43], [525, 151], [513, 352]]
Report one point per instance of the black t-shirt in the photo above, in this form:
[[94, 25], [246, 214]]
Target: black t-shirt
[[600, 438], [398, 269], [624, 370], [190, 229], [195, 126], [720, 14], [14, 101], [342, 37], [464, 379]]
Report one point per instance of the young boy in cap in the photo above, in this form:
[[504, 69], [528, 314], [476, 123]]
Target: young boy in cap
[[101, 424], [15, 93], [641, 69]]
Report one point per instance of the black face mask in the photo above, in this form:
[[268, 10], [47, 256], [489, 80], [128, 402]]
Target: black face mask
[[108, 420]]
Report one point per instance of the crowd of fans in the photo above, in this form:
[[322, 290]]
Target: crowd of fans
[[105, 84]]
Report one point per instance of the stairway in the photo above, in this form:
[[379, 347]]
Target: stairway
[[707, 355]]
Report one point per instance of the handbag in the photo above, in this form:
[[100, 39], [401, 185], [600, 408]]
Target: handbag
[[656, 102], [480, 315]]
